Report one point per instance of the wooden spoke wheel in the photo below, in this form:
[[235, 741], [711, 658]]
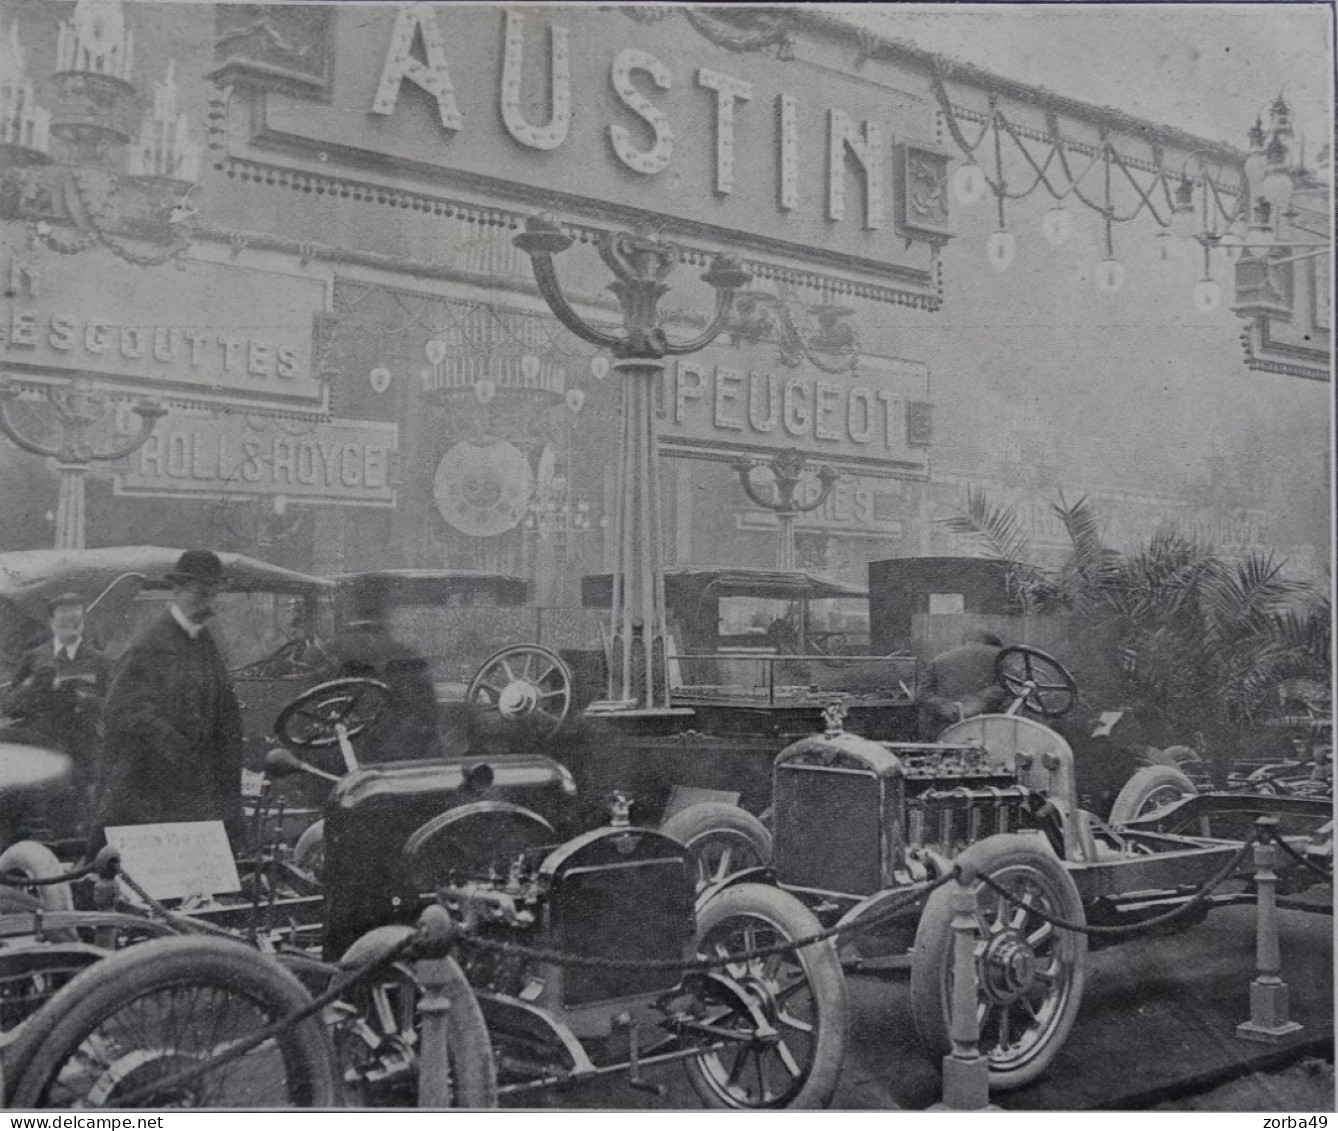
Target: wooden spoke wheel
[[1029, 971], [524, 683], [787, 1013]]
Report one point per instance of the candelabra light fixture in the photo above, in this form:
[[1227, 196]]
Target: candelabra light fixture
[[95, 168], [640, 262], [76, 409], [1229, 208], [786, 468], [820, 333]]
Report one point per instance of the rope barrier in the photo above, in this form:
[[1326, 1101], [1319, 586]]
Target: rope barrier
[[1323, 873], [415, 943], [273, 1029], [11, 881], [1210, 885], [185, 924], [407, 946], [594, 962]]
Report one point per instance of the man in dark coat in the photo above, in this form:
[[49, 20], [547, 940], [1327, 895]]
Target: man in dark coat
[[56, 698], [173, 748], [410, 727], [960, 683]]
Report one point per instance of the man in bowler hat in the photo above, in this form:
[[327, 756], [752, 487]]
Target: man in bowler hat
[[56, 697], [173, 748]]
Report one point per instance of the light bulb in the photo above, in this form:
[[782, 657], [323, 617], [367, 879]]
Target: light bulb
[[1207, 294], [1168, 246], [1109, 275], [1231, 248], [969, 185], [1057, 225], [1001, 248]]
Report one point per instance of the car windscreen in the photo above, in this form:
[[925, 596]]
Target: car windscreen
[[247, 626]]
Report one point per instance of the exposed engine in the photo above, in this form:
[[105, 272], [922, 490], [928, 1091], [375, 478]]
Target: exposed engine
[[856, 817]]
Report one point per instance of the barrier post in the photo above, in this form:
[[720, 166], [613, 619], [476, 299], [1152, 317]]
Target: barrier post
[[105, 891], [434, 1078], [966, 1073], [1269, 1021]]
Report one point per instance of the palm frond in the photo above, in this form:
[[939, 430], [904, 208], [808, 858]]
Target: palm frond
[[996, 528]]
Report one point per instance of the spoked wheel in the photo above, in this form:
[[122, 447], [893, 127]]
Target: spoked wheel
[[141, 1027], [723, 839], [378, 1045], [1029, 972], [314, 718], [31, 974], [1042, 683], [1150, 789], [787, 1014], [524, 682]]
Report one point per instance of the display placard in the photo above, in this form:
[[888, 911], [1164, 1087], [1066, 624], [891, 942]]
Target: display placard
[[177, 859]]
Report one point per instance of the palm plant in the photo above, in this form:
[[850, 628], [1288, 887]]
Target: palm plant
[[998, 533], [1204, 641]]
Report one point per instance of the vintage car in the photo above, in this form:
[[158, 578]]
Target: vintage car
[[859, 824], [268, 623], [585, 956], [760, 651]]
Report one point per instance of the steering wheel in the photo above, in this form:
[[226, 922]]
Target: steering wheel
[[524, 681], [313, 718], [1040, 681]]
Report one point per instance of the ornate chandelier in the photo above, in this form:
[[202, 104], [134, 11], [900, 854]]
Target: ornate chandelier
[[95, 168]]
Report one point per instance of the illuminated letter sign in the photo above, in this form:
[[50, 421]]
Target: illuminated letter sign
[[868, 151], [553, 134], [728, 90], [654, 159], [434, 76]]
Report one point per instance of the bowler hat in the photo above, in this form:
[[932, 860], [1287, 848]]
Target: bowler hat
[[65, 600], [197, 565]]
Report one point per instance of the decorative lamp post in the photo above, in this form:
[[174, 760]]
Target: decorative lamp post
[[640, 262], [78, 407], [787, 467]]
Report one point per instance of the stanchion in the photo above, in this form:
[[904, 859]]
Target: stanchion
[[1269, 1022], [966, 1074], [105, 891], [434, 1084]]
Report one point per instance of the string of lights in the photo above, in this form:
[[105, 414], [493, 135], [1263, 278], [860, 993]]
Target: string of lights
[[1228, 204]]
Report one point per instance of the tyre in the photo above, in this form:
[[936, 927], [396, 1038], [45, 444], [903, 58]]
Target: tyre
[[33, 973], [160, 1009], [802, 995], [309, 851], [723, 838], [1150, 789], [29, 860], [1030, 973], [371, 1044]]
